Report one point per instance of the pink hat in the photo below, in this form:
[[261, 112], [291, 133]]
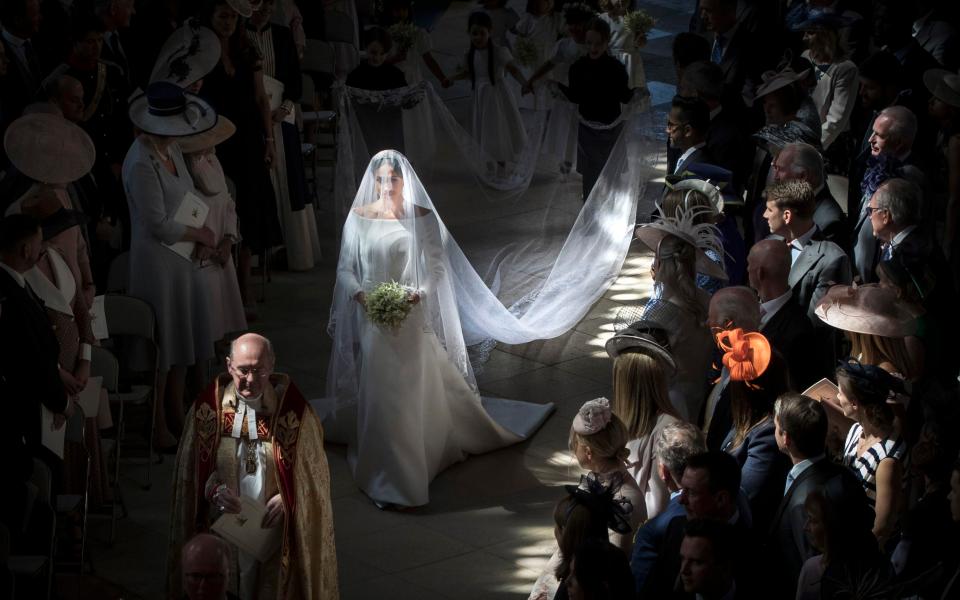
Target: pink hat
[[868, 309], [593, 416]]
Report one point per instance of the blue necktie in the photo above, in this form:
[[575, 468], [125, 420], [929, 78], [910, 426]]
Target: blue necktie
[[716, 55], [887, 251], [790, 479]]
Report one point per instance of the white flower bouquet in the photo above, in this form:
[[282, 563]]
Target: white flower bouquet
[[638, 22], [403, 35], [526, 52], [388, 304]]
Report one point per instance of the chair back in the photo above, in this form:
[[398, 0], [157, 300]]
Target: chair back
[[132, 327], [104, 364]]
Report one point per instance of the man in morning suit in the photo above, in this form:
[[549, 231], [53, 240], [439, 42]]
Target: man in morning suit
[[803, 161], [29, 372], [801, 431], [782, 320], [687, 125], [816, 263]]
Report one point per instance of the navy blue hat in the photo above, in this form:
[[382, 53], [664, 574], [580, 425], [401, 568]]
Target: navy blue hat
[[823, 21]]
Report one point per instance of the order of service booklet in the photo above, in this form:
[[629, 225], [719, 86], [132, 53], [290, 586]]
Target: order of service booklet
[[192, 212], [243, 530]]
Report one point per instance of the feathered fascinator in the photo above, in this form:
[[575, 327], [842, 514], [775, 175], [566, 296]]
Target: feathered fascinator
[[600, 499], [745, 355], [593, 416], [702, 236]]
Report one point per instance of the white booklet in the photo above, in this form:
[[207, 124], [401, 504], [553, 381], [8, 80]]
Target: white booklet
[[52, 438], [823, 391], [243, 530], [89, 397], [192, 213], [99, 319], [274, 89]]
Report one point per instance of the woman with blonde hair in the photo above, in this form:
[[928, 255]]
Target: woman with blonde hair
[[641, 399], [598, 439]]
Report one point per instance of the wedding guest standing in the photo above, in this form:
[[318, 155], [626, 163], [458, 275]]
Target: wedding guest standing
[[283, 85], [235, 89], [156, 181]]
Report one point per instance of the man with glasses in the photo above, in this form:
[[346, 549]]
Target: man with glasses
[[252, 446], [687, 125]]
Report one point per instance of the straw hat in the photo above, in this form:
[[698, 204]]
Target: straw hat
[[221, 132], [643, 336], [651, 234], [868, 309], [187, 56], [244, 8], [775, 80], [166, 110], [944, 85], [777, 136], [49, 149]]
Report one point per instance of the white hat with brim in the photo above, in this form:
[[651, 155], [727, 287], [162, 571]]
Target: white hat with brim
[[868, 309], [188, 55], [49, 149], [211, 138], [775, 80], [166, 110], [652, 234], [943, 85], [244, 8]]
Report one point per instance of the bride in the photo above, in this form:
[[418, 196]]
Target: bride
[[405, 399]]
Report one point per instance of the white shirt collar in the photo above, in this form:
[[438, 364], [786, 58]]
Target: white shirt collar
[[688, 152], [771, 307], [16, 276], [898, 239], [799, 243]]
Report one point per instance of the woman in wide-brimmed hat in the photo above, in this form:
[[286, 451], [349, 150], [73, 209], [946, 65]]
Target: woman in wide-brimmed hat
[[219, 274], [642, 363], [156, 181]]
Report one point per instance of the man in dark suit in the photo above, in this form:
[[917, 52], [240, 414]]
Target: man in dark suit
[[782, 320], [816, 263], [710, 489], [29, 372], [674, 446], [21, 21], [726, 140], [116, 15], [687, 125], [801, 432], [804, 162]]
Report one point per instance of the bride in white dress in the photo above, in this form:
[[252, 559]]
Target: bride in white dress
[[405, 399]]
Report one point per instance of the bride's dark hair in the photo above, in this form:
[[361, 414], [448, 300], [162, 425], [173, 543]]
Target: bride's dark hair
[[483, 20], [390, 161]]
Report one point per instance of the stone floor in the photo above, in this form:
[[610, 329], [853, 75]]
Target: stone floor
[[487, 531]]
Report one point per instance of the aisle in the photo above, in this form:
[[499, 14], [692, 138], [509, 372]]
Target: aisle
[[488, 530]]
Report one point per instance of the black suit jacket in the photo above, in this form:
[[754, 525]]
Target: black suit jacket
[[20, 85], [790, 331], [728, 145], [700, 155], [830, 218], [29, 375], [787, 545]]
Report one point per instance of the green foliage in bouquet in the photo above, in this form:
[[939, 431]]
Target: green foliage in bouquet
[[387, 305], [403, 35], [526, 52], [638, 22]]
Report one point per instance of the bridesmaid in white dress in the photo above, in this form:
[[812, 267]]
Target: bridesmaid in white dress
[[495, 120], [541, 26], [405, 399], [624, 44]]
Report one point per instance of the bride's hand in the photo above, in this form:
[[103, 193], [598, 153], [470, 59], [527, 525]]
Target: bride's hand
[[361, 298], [413, 297]]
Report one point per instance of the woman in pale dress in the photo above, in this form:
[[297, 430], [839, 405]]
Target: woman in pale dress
[[156, 181], [219, 273], [641, 361], [404, 398], [282, 83], [539, 26]]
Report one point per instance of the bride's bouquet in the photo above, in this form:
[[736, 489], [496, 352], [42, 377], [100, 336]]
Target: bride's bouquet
[[388, 304], [638, 22], [403, 35], [526, 52]]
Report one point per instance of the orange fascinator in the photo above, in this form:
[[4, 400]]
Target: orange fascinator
[[745, 355]]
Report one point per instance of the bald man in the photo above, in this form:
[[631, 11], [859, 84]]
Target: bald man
[[206, 568], [253, 445], [782, 320]]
